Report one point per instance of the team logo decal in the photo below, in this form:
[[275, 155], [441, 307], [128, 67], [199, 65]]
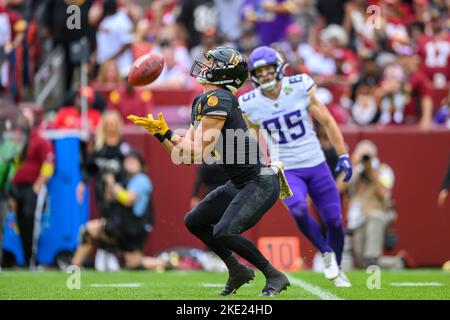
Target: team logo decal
[[213, 101], [288, 90]]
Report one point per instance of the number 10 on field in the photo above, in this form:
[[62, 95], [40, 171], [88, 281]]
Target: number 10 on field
[[282, 252]]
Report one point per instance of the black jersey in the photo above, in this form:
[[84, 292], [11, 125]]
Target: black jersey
[[238, 151]]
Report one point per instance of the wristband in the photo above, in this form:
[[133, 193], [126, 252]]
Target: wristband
[[160, 137], [168, 135], [47, 169], [123, 196]]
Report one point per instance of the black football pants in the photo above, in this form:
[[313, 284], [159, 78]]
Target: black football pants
[[228, 211], [26, 206]]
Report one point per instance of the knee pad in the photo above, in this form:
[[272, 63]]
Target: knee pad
[[84, 237]]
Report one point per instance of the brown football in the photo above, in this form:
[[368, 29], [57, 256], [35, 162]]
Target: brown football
[[146, 69]]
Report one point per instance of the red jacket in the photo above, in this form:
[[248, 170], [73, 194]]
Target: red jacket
[[70, 118], [39, 151]]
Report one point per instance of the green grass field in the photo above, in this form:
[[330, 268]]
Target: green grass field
[[180, 285]]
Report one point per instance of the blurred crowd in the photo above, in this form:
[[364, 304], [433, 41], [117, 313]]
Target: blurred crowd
[[377, 61]]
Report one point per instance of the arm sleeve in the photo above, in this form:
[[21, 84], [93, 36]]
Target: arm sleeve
[[140, 185], [217, 105], [47, 153], [193, 110], [309, 84]]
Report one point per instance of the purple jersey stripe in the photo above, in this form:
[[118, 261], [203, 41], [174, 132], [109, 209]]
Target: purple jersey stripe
[[310, 88]]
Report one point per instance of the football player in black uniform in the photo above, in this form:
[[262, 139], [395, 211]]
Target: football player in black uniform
[[219, 130]]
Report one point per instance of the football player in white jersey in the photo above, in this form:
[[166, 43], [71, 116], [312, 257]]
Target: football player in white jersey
[[283, 106]]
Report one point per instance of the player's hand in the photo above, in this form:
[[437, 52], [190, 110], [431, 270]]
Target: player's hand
[[163, 127], [145, 122], [109, 178], [151, 125], [345, 166], [442, 197]]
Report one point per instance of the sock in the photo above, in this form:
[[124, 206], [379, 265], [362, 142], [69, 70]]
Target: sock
[[309, 227], [269, 270], [335, 231], [231, 262]]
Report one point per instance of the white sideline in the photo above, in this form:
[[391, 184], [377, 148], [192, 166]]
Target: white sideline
[[212, 285], [322, 294], [116, 285], [218, 285], [415, 284]]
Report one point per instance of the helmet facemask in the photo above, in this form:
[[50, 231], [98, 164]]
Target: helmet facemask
[[267, 86], [199, 71]]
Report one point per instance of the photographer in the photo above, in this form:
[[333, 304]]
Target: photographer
[[371, 208], [130, 217], [106, 158]]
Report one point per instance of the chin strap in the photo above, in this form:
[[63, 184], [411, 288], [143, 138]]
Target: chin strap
[[201, 80]]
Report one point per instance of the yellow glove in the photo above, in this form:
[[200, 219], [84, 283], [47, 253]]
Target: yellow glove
[[145, 122], [161, 123], [151, 125], [285, 189], [158, 128]]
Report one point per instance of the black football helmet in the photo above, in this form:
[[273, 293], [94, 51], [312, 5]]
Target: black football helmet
[[226, 67]]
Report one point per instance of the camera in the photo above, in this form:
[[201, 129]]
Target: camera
[[366, 158]]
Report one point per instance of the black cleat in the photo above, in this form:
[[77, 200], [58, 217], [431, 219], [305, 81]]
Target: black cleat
[[237, 278], [275, 284]]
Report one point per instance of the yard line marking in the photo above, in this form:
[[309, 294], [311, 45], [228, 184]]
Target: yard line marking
[[116, 285], [415, 284], [218, 285], [315, 290], [212, 285]]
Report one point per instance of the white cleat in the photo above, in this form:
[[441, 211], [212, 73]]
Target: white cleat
[[331, 270], [342, 281]]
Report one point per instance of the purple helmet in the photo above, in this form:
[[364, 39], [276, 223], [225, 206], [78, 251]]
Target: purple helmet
[[265, 56]]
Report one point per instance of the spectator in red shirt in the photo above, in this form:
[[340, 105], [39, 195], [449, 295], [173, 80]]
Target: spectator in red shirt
[[398, 15], [435, 52], [12, 34], [36, 169], [70, 117], [419, 105]]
